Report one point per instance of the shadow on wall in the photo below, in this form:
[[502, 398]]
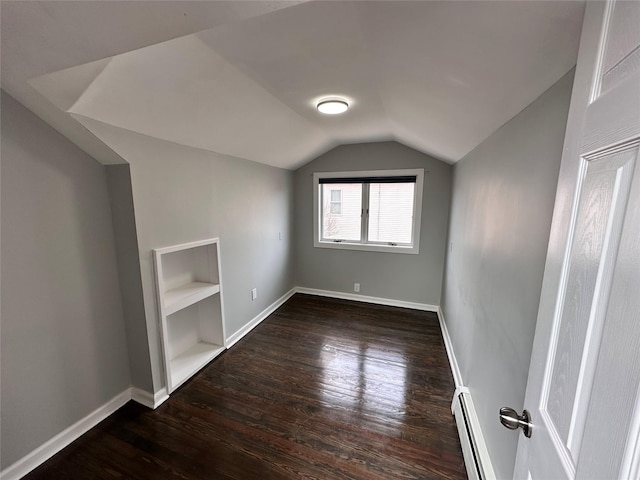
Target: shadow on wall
[[63, 336]]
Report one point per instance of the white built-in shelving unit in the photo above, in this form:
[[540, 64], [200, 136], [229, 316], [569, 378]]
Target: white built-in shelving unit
[[191, 309]]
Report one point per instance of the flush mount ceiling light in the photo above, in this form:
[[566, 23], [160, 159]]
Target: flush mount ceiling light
[[332, 106]]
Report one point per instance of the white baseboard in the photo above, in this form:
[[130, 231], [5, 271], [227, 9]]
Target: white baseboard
[[453, 362], [364, 298], [237, 336], [47, 450], [148, 399], [64, 438]]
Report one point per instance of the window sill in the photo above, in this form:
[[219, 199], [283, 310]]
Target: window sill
[[367, 247]]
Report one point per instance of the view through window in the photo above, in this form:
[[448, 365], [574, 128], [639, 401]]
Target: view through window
[[364, 209]]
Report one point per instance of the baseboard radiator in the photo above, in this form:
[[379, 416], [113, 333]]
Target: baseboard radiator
[[474, 451]]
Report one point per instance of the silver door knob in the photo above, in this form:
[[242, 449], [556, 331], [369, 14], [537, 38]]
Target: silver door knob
[[510, 419]]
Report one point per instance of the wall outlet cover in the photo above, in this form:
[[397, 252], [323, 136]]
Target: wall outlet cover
[[254, 293], [356, 287]]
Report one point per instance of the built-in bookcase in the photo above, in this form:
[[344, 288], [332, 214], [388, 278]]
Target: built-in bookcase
[[191, 308]]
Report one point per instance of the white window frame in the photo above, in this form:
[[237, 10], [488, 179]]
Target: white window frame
[[364, 245]]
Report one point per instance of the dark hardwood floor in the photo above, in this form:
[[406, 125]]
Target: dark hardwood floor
[[323, 388]]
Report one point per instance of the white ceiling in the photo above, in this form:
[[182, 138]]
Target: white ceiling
[[241, 78]]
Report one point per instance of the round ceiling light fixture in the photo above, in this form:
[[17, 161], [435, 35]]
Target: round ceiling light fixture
[[332, 106]]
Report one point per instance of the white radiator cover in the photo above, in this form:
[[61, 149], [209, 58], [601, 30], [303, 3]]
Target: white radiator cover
[[474, 449]]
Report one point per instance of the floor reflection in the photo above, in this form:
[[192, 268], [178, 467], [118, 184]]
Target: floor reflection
[[364, 379]]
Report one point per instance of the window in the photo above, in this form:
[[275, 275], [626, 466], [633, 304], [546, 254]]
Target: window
[[336, 202], [376, 210]]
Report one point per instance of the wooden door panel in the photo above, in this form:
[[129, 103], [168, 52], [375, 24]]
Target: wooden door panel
[[611, 422], [588, 272]]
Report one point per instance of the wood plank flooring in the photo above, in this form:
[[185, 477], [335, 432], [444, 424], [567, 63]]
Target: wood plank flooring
[[322, 389]]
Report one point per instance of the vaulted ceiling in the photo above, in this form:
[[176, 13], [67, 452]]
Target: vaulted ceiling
[[242, 78]]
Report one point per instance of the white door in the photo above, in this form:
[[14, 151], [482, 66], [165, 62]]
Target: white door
[[583, 389]]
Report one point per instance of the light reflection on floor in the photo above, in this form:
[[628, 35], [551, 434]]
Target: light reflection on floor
[[364, 379]]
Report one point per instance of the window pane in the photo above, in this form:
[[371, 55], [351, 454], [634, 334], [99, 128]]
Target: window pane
[[346, 224], [336, 195], [390, 212]]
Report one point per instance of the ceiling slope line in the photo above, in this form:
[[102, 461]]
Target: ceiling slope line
[[88, 87], [61, 87]]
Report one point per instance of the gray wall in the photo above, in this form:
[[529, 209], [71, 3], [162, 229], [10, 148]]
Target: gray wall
[[502, 202], [63, 347], [126, 241], [413, 278], [182, 194]]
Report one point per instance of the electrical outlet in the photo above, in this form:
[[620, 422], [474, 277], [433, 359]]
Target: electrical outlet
[[356, 287], [254, 293], [279, 235]]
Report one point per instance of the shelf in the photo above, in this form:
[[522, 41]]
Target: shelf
[[182, 297], [189, 362], [189, 293]]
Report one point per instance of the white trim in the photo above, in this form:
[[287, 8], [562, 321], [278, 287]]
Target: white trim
[[148, 399], [456, 397], [368, 247], [234, 338], [185, 246], [413, 249], [48, 449], [64, 438], [182, 367], [453, 361], [366, 299]]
